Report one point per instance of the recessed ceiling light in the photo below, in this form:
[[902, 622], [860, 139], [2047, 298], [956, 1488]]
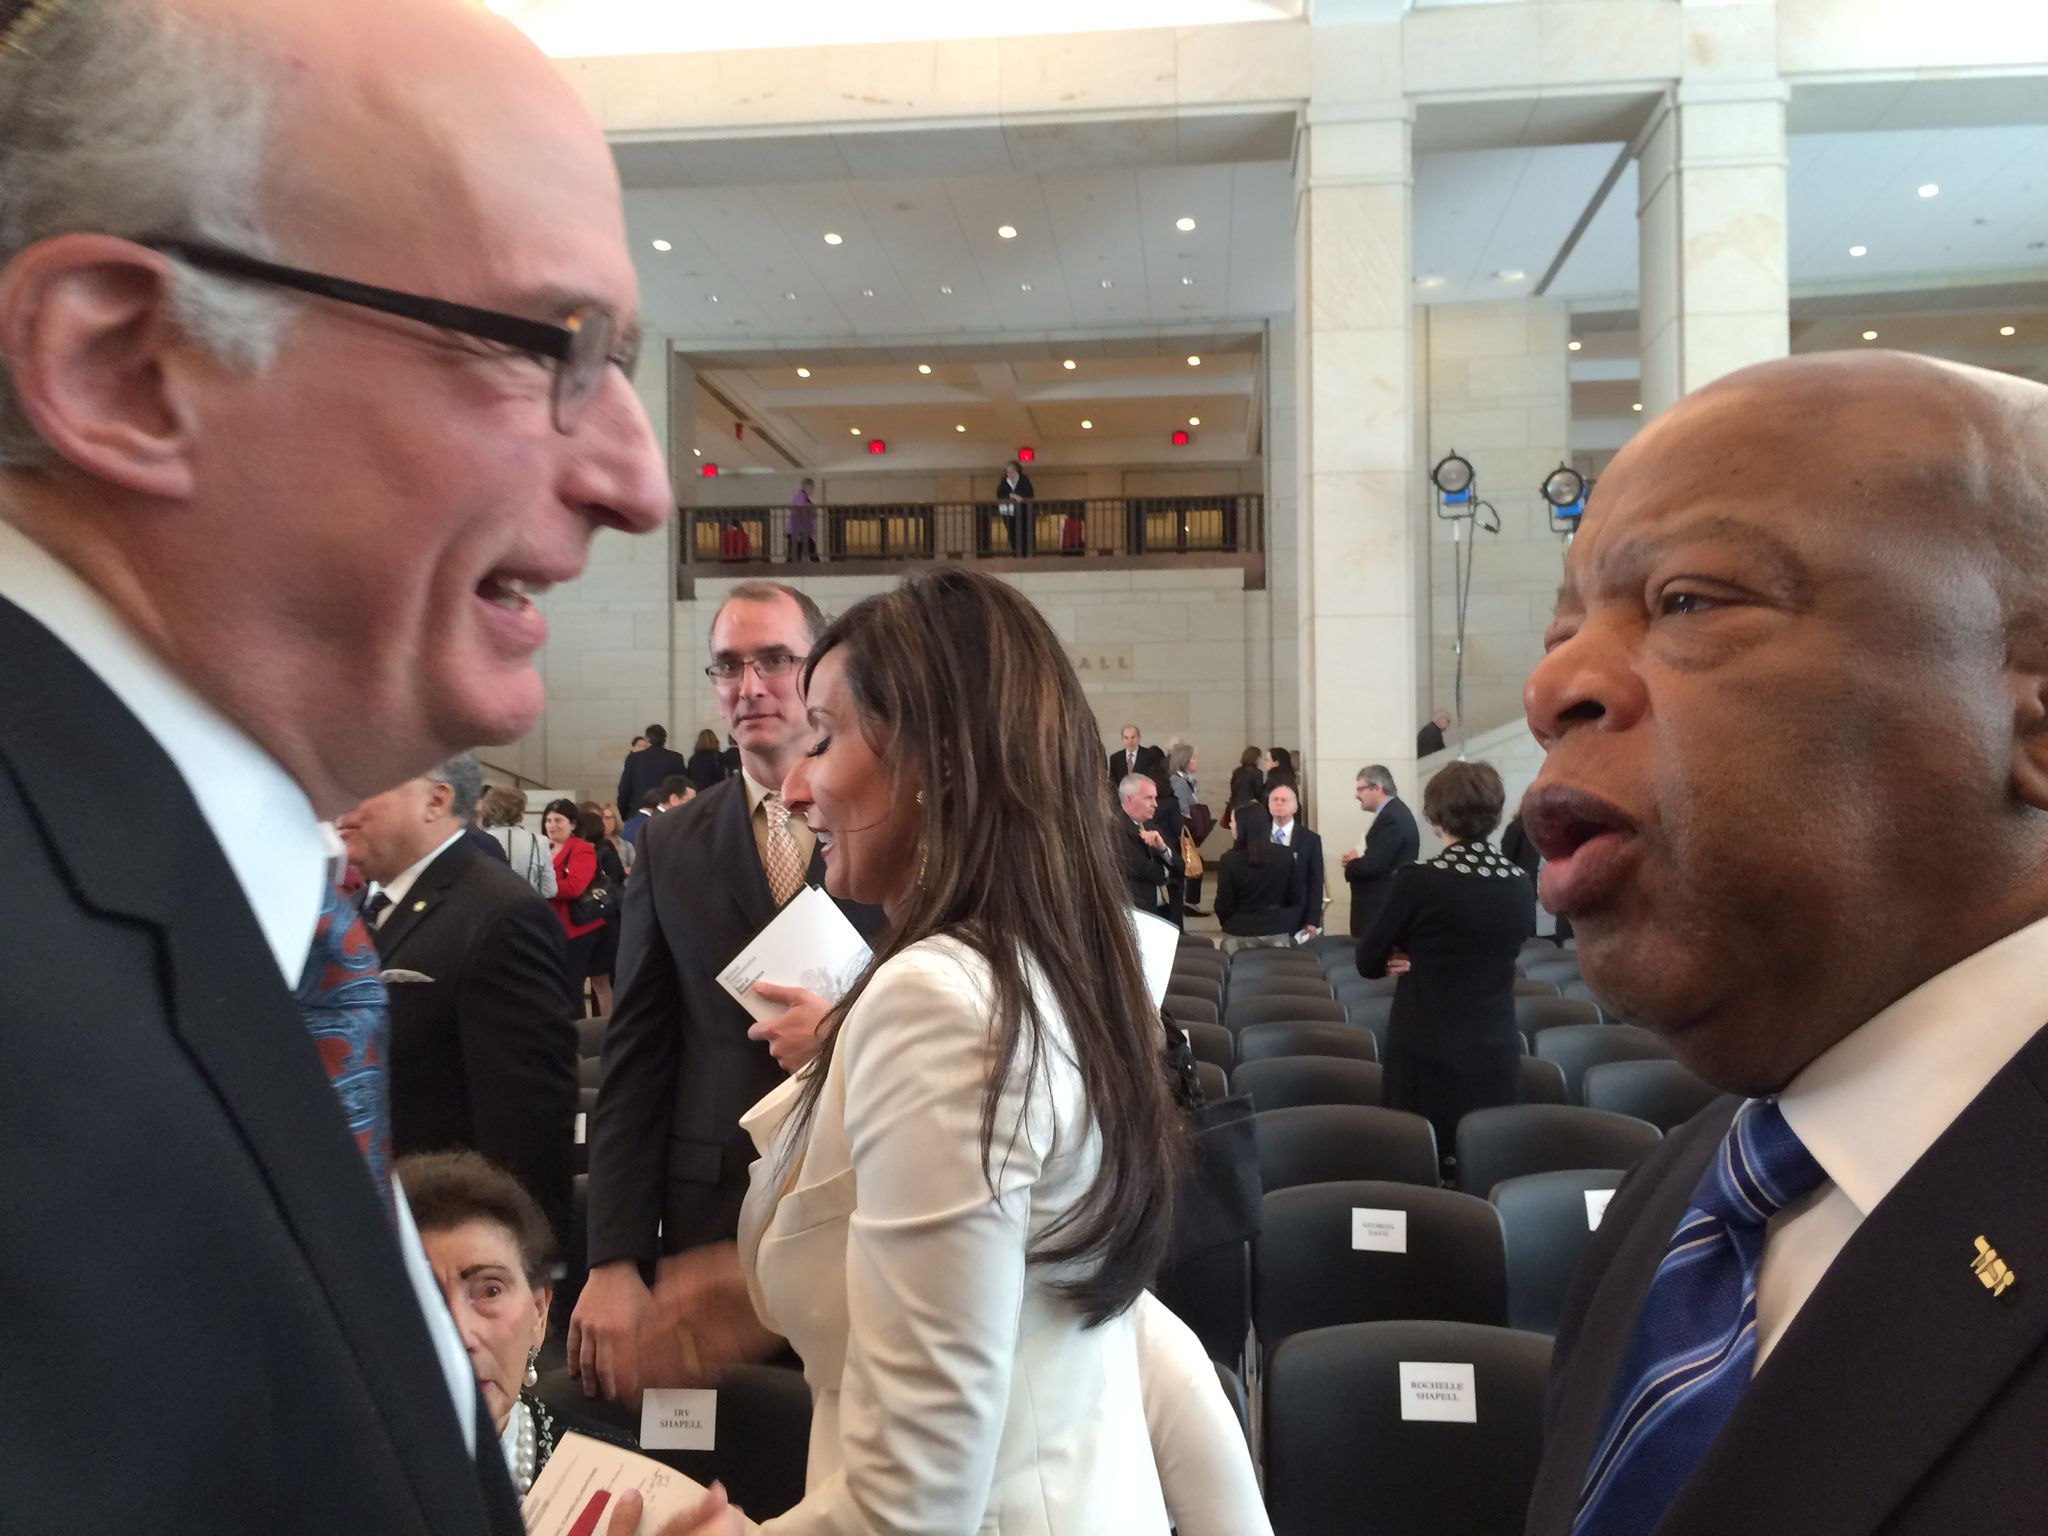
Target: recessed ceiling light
[[2005, 330], [924, 367], [789, 293], [1194, 421], [1187, 282], [1929, 189], [663, 245], [1107, 283], [867, 293], [1194, 361], [1870, 335], [698, 451], [1086, 425], [1511, 274], [1637, 406], [1859, 250], [1431, 281], [1572, 346], [803, 373], [1069, 363], [1023, 287], [854, 430], [1007, 231], [959, 426], [946, 288], [713, 297], [831, 239], [1185, 226]]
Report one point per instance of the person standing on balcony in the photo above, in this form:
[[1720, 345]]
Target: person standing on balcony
[[1012, 499], [803, 522]]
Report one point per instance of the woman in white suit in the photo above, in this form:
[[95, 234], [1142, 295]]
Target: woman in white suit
[[960, 1200]]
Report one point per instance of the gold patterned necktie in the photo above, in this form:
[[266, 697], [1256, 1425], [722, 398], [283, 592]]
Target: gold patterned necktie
[[784, 866]]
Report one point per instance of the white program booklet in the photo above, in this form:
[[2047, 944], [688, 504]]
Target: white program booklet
[[575, 1492], [1158, 943], [809, 944]]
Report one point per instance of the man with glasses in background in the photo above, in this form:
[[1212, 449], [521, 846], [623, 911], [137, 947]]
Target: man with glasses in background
[[682, 1059], [287, 443]]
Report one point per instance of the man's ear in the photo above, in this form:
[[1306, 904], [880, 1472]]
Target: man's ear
[[92, 355]]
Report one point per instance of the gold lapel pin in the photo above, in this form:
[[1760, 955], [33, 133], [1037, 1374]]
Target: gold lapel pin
[[1997, 1276], [421, 906]]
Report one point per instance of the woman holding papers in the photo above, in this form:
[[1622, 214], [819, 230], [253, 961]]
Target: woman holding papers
[[959, 1202]]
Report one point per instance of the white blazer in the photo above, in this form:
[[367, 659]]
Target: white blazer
[[955, 1393]]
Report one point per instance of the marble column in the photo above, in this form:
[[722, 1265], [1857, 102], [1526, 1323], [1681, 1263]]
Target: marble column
[[1361, 549], [1711, 221]]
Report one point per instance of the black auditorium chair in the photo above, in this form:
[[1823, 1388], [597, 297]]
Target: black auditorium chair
[[1214, 1080], [1365, 1251], [1319, 1143], [1261, 956], [1546, 1221], [1362, 986], [1189, 964], [1233, 1390], [589, 1071], [1343, 1458], [590, 1033], [1534, 1013], [1504, 1143], [1323, 945], [1212, 1042], [1559, 970], [1542, 949], [1288, 984], [1287, 1082], [1207, 990], [1527, 988], [1578, 991], [1196, 940], [1187, 1008], [1661, 1092], [1276, 1010], [1543, 1082], [1258, 1042], [1576, 1047], [1369, 1013]]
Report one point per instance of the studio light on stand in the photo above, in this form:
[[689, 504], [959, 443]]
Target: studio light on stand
[[1458, 503], [1564, 492]]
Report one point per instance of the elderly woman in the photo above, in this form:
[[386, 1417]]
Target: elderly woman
[[491, 1251], [502, 815], [1450, 928]]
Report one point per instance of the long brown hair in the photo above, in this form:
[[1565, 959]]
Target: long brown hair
[[956, 675]]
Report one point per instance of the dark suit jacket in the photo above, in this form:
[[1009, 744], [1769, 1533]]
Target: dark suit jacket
[[1429, 739], [480, 841], [180, 1187], [704, 769], [666, 1146], [483, 1056], [1145, 869], [1151, 762], [1902, 1399], [1308, 853], [1390, 842], [1258, 899], [644, 770]]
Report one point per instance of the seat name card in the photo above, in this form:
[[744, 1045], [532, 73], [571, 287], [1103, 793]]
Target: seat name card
[[1596, 1207], [1436, 1392], [679, 1419], [1378, 1231]]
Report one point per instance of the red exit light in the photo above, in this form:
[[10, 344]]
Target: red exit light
[[709, 471], [1180, 439], [1026, 454], [876, 445]]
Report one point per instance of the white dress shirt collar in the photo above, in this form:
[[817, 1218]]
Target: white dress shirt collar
[[1869, 1107], [262, 820], [1283, 832], [405, 879]]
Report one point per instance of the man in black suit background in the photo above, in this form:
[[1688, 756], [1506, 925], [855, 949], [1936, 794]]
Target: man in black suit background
[[1134, 757], [1152, 863], [482, 1055], [1282, 807], [1430, 739], [682, 1059], [1390, 842], [645, 768], [1808, 654], [271, 553]]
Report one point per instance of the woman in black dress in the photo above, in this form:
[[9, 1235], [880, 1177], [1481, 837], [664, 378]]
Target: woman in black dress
[[1247, 786], [705, 767], [1258, 887], [1450, 928]]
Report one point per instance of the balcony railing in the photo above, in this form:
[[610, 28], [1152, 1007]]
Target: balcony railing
[[721, 540]]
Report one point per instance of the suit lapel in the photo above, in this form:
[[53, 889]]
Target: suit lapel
[[148, 854], [1900, 1313], [422, 903]]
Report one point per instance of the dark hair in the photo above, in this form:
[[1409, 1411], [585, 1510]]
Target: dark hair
[[1465, 799], [1254, 832], [1248, 758], [568, 809], [654, 797], [446, 1189], [966, 683], [589, 825], [775, 591], [1283, 762], [675, 784], [657, 735], [707, 740]]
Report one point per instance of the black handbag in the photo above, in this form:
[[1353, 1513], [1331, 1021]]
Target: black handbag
[[599, 902], [1220, 1199]]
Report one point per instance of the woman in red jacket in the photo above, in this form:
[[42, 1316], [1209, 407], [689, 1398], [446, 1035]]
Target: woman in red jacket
[[575, 868]]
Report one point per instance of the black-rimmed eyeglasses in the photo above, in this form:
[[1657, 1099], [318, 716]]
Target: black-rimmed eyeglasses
[[579, 347], [730, 669]]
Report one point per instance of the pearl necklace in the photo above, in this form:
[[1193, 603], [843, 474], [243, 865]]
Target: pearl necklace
[[522, 1472]]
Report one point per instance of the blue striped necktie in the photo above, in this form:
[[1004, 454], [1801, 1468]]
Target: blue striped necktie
[[1694, 1348]]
